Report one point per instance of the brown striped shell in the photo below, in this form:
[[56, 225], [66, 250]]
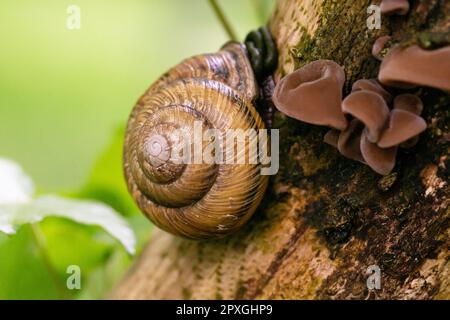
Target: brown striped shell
[[198, 201]]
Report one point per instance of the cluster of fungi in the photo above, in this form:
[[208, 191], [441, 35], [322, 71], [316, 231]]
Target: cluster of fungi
[[370, 123]]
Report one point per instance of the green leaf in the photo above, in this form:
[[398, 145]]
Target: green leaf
[[106, 182], [70, 243], [13, 215], [23, 274], [102, 280]]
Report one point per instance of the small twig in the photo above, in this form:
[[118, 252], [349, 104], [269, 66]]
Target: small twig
[[39, 239], [223, 20]]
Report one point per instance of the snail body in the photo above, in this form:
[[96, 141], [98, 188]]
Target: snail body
[[195, 200]]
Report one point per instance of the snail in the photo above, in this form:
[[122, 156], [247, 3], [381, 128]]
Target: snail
[[196, 200]]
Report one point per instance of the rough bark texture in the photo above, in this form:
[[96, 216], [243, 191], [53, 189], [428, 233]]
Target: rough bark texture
[[325, 218]]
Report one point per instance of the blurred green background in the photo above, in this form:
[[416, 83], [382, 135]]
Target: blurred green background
[[65, 96]]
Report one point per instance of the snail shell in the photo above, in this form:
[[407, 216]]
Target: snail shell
[[203, 200]]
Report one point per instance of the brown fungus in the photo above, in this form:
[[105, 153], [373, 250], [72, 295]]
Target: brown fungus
[[332, 137], [370, 108], [390, 7], [375, 132], [409, 102], [349, 141], [406, 67], [381, 160], [378, 47], [413, 104], [313, 94], [372, 85], [405, 123]]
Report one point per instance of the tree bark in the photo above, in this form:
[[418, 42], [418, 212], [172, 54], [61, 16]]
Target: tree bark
[[325, 219]]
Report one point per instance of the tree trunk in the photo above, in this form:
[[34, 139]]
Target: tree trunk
[[326, 219]]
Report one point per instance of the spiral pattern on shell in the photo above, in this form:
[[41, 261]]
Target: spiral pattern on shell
[[205, 200]]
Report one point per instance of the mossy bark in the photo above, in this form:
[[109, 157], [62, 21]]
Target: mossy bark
[[326, 219]]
